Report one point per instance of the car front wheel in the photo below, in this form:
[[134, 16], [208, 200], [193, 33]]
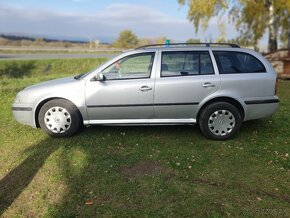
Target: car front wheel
[[220, 121], [59, 118]]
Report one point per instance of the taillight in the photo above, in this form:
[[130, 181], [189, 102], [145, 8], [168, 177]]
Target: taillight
[[276, 86]]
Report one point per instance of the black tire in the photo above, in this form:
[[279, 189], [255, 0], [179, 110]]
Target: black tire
[[74, 117], [220, 121]]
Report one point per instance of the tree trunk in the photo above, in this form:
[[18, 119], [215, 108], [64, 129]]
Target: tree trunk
[[288, 44], [273, 42]]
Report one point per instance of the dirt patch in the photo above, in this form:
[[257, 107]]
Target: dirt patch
[[142, 168], [206, 182]]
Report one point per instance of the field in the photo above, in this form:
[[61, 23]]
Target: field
[[17, 50], [160, 171]]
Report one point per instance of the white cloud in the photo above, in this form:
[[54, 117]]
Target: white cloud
[[104, 24]]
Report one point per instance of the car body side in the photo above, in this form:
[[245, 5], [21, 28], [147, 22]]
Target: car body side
[[253, 93]]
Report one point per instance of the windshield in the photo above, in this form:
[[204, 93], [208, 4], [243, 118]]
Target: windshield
[[82, 75]]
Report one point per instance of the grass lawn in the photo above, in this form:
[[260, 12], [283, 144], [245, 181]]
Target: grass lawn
[[169, 171]]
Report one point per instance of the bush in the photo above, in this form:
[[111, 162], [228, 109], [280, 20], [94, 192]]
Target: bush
[[126, 39], [17, 70]]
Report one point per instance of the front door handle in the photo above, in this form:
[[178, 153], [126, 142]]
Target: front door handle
[[208, 84], [145, 89]]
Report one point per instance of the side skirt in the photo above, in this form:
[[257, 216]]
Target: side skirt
[[141, 122]]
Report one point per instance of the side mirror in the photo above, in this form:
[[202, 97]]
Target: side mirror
[[100, 77]]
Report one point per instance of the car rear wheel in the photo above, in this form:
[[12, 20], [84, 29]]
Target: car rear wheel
[[220, 121], [59, 118]]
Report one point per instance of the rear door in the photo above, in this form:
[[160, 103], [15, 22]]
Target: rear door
[[185, 79]]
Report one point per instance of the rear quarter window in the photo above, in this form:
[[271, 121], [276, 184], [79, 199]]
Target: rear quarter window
[[231, 62]]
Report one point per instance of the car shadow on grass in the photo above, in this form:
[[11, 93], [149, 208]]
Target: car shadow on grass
[[12, 185]]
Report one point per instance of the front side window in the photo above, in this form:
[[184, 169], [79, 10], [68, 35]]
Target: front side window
[[186, 63], [136, 66], [230, 62]]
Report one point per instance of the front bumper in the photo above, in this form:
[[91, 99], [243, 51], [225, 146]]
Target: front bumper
[[24, 114]]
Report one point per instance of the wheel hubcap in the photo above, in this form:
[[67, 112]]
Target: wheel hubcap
[[221, 122], [57, 119]]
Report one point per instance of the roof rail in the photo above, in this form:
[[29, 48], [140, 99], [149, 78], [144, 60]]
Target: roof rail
[[206, 44]]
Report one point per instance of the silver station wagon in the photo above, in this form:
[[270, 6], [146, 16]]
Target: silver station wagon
[[217, 86]]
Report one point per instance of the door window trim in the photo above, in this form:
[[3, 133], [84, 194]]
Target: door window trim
[[186, 51], [153, 58]]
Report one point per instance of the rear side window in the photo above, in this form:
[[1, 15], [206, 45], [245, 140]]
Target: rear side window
[[186, 63], [230, 62]]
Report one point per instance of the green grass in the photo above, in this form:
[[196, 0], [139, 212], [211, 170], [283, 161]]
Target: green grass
[[166, 171], [46, 68]]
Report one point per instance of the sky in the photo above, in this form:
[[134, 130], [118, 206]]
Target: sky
[[103, 19]]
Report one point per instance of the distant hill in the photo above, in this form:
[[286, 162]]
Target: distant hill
[[33, 39]]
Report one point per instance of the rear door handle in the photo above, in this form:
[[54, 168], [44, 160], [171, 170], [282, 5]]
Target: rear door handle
[[145, 89], [208, 84]]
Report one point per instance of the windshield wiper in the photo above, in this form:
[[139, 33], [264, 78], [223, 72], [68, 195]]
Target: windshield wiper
[[79, 76]]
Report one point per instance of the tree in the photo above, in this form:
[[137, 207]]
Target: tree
[[193, 41], [126, 39], [145, 41], [284, 21], [160, 40], [252, 18]]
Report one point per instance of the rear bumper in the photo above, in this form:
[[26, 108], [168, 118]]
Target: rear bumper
[[260, 108], [23, 113]]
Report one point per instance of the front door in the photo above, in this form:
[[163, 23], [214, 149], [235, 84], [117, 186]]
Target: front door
[[126, 92]]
